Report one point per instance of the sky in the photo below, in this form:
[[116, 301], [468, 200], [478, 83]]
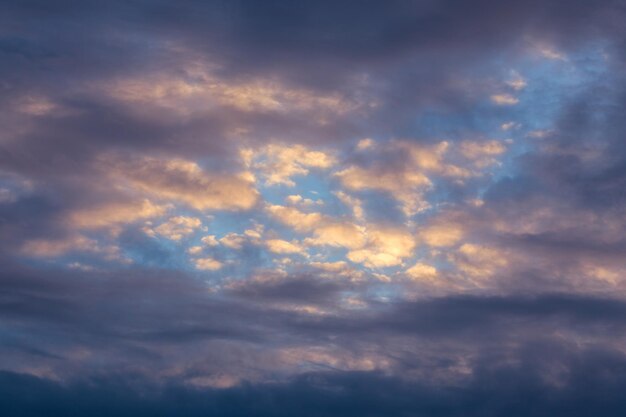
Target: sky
[[312, 208]]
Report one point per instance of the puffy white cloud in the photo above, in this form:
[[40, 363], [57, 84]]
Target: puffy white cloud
[[176, 227], [406, 181], [298, 220], [254, 233], [409, 177], [233, 241], [210, 240], [404, 185], [353, 203], [239, 240], [325, 229], [298, 200], [422, 272], [373, 246], [442, 234], [337, 233], [385, 247], [195, 250], [284, 247], [208, 264], [279, 163], [293, 199]]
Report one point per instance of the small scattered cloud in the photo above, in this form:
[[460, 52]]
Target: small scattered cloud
[[208, 264], [278, 164], [176, 228], [504, 99], [183, 181], [284, 247]]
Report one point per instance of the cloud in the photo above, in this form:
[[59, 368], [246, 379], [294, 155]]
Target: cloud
[[298, 200], [385, 247], [295, 218], [415, 208], [373, 246], [176, 227], [112, 214], [504, 99], [233, 241], [405, 186], [517, 82], [491, 390], [330, 266], [364, 144], [415, 166], [474, 150], [208, 264], [279, 163], [551, 53], [353, 203], [337, 233], [284, 247], [421, 271], [195, 250], [442, 234], [210, 240], [185, 182], [51, 248], [200, 90]]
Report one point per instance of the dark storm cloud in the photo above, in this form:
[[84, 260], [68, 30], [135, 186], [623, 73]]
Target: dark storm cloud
[[155, 307], [278, 34], [574, 175], [592, 383], [104, 304], [298, 39], [304, 288], [512, 342], [472, 318], [53, 49]]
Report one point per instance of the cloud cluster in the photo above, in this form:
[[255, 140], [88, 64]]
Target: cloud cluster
[[348, 208]]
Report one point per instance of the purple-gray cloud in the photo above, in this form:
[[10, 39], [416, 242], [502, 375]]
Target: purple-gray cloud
[[346, 208]]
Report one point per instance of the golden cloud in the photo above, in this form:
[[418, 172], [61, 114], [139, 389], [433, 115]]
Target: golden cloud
[[183, 181]]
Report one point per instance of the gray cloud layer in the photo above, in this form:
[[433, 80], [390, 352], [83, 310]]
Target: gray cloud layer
[[91, 94]]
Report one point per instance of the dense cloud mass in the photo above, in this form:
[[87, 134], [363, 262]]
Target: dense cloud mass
[[313, 208]]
